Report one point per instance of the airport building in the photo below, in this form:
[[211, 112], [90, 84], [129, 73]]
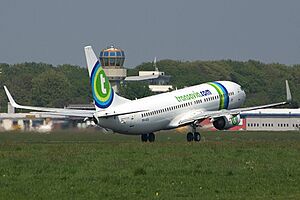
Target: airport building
[[32, 122], [272, 120], [37, 121], [264, 120], [112, 60], [158, 81]]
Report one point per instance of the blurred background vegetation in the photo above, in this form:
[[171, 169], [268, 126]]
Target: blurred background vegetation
[[43, 84]]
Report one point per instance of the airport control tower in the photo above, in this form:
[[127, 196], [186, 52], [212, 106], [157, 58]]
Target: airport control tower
[[112, 60]]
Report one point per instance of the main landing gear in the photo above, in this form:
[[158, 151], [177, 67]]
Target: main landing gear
[[148, 137], [193, 136]]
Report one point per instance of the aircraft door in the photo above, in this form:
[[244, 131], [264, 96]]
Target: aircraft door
[[131, 123], [128, 120]]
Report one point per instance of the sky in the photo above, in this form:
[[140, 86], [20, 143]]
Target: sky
[[56, 31]]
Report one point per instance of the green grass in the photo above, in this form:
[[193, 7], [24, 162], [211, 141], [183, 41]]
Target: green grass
[[93, 165]]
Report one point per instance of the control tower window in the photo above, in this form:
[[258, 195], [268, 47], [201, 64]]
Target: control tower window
[[118, 61], [112, 57], [105, 61], [112, 61]]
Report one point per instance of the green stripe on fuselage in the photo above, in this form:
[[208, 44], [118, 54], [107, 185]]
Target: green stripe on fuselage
[[220, 92]]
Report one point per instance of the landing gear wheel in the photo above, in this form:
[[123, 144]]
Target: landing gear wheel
[[144, 137], [197, 137], [148, 137], [151, 137], [189, 137]]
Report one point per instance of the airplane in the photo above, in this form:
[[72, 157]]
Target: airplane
[[218, 101]]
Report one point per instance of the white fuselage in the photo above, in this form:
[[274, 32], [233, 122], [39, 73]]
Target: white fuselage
[[161, 112]]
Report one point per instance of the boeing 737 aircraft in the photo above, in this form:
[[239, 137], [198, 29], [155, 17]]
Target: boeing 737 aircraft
[[219, 101]]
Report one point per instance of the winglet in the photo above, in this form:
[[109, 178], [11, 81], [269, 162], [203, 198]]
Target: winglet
[[10, 98], [288, 92]]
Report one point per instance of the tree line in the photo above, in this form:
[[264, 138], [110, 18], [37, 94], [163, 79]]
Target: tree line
[[43, 84]]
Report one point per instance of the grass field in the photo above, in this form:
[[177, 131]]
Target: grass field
[[93, 165]]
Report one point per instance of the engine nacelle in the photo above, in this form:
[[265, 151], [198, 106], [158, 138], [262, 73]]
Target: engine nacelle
[[226, 122]]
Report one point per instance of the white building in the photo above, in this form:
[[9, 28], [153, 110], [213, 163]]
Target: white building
[[157, 80], [272, 120]]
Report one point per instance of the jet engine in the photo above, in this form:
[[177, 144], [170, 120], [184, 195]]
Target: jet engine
[[226, 122]]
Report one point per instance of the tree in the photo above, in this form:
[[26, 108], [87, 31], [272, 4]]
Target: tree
[[80, 91], [51, 89]]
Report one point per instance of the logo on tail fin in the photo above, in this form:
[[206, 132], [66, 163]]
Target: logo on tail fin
[[102, 92]]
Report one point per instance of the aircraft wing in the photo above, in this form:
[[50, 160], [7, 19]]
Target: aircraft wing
[[68, 112], [54, 111], [220, 113], [200, 114], [90, 113]]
